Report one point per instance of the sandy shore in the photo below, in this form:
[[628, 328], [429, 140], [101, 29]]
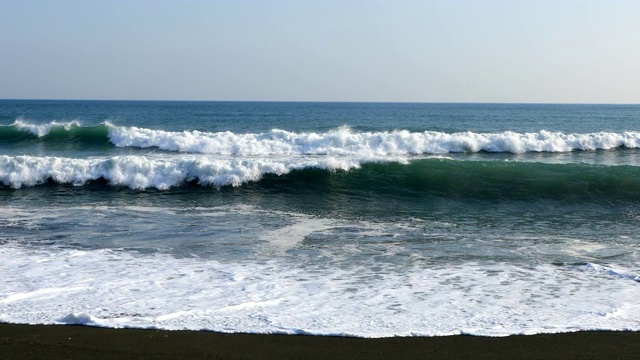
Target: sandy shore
[[81, 342]]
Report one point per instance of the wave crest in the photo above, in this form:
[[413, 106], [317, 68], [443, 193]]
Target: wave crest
[[381, 177], [141, 172], [342, 141], [22, 133], [41, 130], [345, 142]]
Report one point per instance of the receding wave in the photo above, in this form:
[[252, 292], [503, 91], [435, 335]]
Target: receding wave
[[456, 179], [338, 142]]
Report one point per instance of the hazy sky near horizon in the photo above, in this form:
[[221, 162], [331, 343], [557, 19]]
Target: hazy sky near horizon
[[422, 51]]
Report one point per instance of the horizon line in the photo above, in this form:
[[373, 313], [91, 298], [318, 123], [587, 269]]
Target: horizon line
[[332, 101]]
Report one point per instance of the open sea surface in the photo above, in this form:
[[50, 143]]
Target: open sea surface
[[354, 219]]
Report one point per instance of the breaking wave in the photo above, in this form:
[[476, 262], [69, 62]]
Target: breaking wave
[[141, 172], [370, 178], [342, 141]]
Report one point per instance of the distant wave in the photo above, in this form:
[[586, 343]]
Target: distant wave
[[457, 179], [338, 142], [68, 132], [41, 130]]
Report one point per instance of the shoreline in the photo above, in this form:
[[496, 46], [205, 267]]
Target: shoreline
[[86, 342]]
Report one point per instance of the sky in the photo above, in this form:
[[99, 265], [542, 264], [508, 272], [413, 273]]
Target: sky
[[561, 51]]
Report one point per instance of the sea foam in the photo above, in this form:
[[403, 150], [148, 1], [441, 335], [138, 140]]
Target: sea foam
[[121, 289]]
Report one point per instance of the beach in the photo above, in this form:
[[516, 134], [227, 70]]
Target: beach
[[82, 342]]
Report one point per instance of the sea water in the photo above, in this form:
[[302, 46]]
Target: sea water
[[350, 219]]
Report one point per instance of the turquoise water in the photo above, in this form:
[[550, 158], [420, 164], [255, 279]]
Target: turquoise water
[[364, 219]]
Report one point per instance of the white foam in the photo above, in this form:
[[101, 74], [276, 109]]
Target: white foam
[[608, 271], [121, 289], [288, 237], [345, 142], [41, 130], [40, 293], [142, 172], [78, 319]]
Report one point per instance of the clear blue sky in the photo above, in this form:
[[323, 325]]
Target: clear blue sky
[[424, 51]]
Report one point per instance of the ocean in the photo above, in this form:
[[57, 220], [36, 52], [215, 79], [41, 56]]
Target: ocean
[[350, 219]]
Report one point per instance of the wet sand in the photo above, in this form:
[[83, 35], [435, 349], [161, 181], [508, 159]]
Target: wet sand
[[83, 342]]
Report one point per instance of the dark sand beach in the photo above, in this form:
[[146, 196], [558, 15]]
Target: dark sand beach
[[82, 342]]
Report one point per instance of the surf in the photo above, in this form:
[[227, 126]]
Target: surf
[[415, 179], [342, 141]]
